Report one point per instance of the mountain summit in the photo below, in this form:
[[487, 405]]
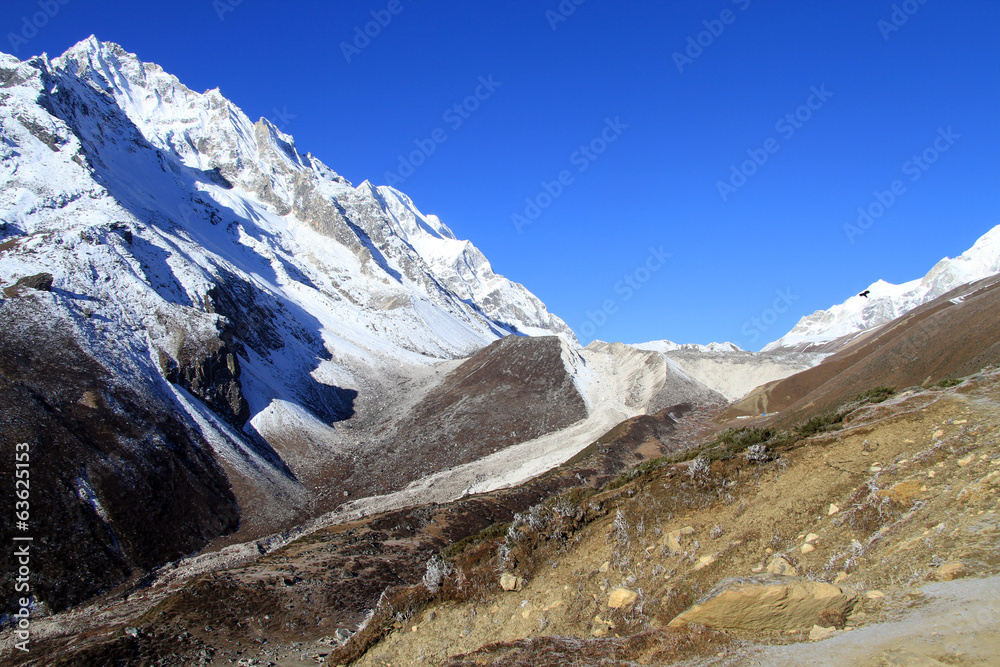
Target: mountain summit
[[123, 142], [207, 329], [883, 302]]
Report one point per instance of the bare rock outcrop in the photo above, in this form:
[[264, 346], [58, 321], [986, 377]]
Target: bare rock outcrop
[[41, 282], [770, 604]]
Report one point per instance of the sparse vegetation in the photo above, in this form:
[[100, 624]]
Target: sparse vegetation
[[948, 382], [734, 441], [495, 531], [832, 420], [820, 423]]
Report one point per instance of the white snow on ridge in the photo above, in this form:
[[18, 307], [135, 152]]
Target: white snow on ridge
[[664, 346], [212, 190], [886, 301], [156, 208]]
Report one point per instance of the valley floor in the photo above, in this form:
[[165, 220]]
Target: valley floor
[[912, 485], [897, 510]]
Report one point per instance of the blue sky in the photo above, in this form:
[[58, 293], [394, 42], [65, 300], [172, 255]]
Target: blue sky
[[621, 143]]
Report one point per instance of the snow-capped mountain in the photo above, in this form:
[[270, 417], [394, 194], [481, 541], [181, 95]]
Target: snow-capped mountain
[[100, 138], [885, 301], [162, 209], [664, 346], [217, 303]]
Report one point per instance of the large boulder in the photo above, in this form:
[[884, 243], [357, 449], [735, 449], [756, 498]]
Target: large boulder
[[770, 604], [41, 282]]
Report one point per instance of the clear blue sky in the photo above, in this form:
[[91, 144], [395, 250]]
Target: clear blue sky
[[656, 184]]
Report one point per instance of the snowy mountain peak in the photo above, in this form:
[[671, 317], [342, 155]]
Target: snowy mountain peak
[[161, 206], [885, 301], [664, 346]]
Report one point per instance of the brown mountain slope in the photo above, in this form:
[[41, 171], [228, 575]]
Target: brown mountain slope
[[953, 336], [298, 596], [513, 390], [885, 530], [116, 484]]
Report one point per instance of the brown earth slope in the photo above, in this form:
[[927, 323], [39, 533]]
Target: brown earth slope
[[298, 597], [905, 497], [117, 483], [952, 336], [513, 390]]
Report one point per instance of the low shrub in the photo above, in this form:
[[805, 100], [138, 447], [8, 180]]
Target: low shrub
[[832, 420], [495, 531]]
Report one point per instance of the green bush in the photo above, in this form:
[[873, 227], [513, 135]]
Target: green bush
[[873, 395], [820, 424], [734, 441], [832, 420], [495, 531]]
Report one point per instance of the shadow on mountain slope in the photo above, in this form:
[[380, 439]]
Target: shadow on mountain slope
[[118, 484]]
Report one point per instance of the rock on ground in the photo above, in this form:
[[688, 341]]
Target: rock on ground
[[769, 604]]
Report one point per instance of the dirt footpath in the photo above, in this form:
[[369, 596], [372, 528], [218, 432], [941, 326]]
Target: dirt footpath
[[952, 623]]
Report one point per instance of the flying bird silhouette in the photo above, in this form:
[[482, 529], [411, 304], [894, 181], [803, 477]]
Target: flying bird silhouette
[[865, 293]]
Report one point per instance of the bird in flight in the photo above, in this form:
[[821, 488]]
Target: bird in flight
[[865, 293]]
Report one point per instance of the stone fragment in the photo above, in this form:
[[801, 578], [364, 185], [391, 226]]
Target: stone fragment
[[704, 562], [621, 597], [819, 633], [781, 567], [511, 582], [950, 571]]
